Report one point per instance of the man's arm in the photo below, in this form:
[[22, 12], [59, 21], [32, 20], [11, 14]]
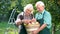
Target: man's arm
[[42, 27], [47, 22]]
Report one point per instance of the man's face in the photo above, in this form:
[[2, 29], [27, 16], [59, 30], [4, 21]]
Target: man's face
[[28, 12], [40, 8]]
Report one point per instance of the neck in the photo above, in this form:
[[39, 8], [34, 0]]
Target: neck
[[41, 11], [26, 15]]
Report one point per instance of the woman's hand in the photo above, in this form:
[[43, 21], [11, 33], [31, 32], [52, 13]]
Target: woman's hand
[[18, 22], [33, 20], [26, 21]]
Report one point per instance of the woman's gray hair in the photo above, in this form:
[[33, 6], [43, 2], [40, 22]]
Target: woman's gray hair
[[28, 6], [40, 3]]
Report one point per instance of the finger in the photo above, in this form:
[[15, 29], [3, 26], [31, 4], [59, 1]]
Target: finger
[[32, 32]]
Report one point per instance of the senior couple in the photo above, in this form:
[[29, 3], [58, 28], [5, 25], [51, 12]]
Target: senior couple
[[42, 16]]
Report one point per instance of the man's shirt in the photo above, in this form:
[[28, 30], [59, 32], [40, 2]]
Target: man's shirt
[[47, 17]]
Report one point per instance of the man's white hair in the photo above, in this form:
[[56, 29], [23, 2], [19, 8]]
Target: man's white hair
[[28, 6], [40, 3]]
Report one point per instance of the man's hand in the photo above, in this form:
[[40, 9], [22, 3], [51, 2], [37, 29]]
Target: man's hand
[[35, 32]]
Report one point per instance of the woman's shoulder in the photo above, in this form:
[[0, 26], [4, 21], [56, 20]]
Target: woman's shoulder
[[21, 13]]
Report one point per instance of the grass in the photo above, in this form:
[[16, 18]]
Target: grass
[[58, 32], [10, 29]]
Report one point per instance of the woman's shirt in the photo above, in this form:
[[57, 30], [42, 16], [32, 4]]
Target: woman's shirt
[[22, 16]]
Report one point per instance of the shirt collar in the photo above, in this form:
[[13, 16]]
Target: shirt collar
[[42, 12]]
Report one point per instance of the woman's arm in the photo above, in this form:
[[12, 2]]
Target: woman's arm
[[19, 19], [18, 22]]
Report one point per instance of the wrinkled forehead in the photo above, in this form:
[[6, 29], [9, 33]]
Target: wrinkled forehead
[[39, 5], [28, 10]]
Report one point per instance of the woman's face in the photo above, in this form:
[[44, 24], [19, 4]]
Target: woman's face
[[40, 8], [28, 12]]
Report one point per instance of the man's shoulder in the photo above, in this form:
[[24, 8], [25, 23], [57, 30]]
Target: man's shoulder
[[46, 12]]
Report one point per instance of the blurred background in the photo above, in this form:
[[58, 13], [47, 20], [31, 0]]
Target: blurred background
[[7, 6]]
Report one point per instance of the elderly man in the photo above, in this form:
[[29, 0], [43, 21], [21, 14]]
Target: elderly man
[[44, 18], [25, 17]]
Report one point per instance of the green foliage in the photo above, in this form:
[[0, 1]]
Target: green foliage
[[53, 6], [3, 28]]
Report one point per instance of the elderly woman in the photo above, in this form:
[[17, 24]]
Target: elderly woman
[[25, 17], [44, 18]]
